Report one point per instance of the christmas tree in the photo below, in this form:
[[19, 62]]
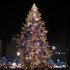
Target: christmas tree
[[33, 47]]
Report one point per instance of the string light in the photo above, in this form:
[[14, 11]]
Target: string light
[[34, 51]]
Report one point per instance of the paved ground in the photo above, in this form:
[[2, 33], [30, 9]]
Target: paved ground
[[35, 69]]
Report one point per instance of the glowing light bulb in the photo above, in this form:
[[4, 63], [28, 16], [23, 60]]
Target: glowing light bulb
[[38, 62], [26, 58], [53, 47], [18, 53], [29, 57], [29, 23]]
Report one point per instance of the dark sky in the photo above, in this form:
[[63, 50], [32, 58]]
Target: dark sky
[[54, 12]]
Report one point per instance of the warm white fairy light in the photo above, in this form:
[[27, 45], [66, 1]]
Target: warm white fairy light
[[36, 53], [29, 57], [26, 58]]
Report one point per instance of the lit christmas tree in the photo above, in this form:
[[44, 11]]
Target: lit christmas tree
[[34, 51]]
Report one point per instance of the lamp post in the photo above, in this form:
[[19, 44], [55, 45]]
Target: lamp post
[[53, 50], [18, 54]]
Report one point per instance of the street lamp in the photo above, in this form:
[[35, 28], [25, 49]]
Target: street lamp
[[18, 53], [53, 48]]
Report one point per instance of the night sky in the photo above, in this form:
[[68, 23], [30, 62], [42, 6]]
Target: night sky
[[55, 13]]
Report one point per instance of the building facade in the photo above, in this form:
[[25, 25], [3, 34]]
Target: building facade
[[11, 52], [12, 49]]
